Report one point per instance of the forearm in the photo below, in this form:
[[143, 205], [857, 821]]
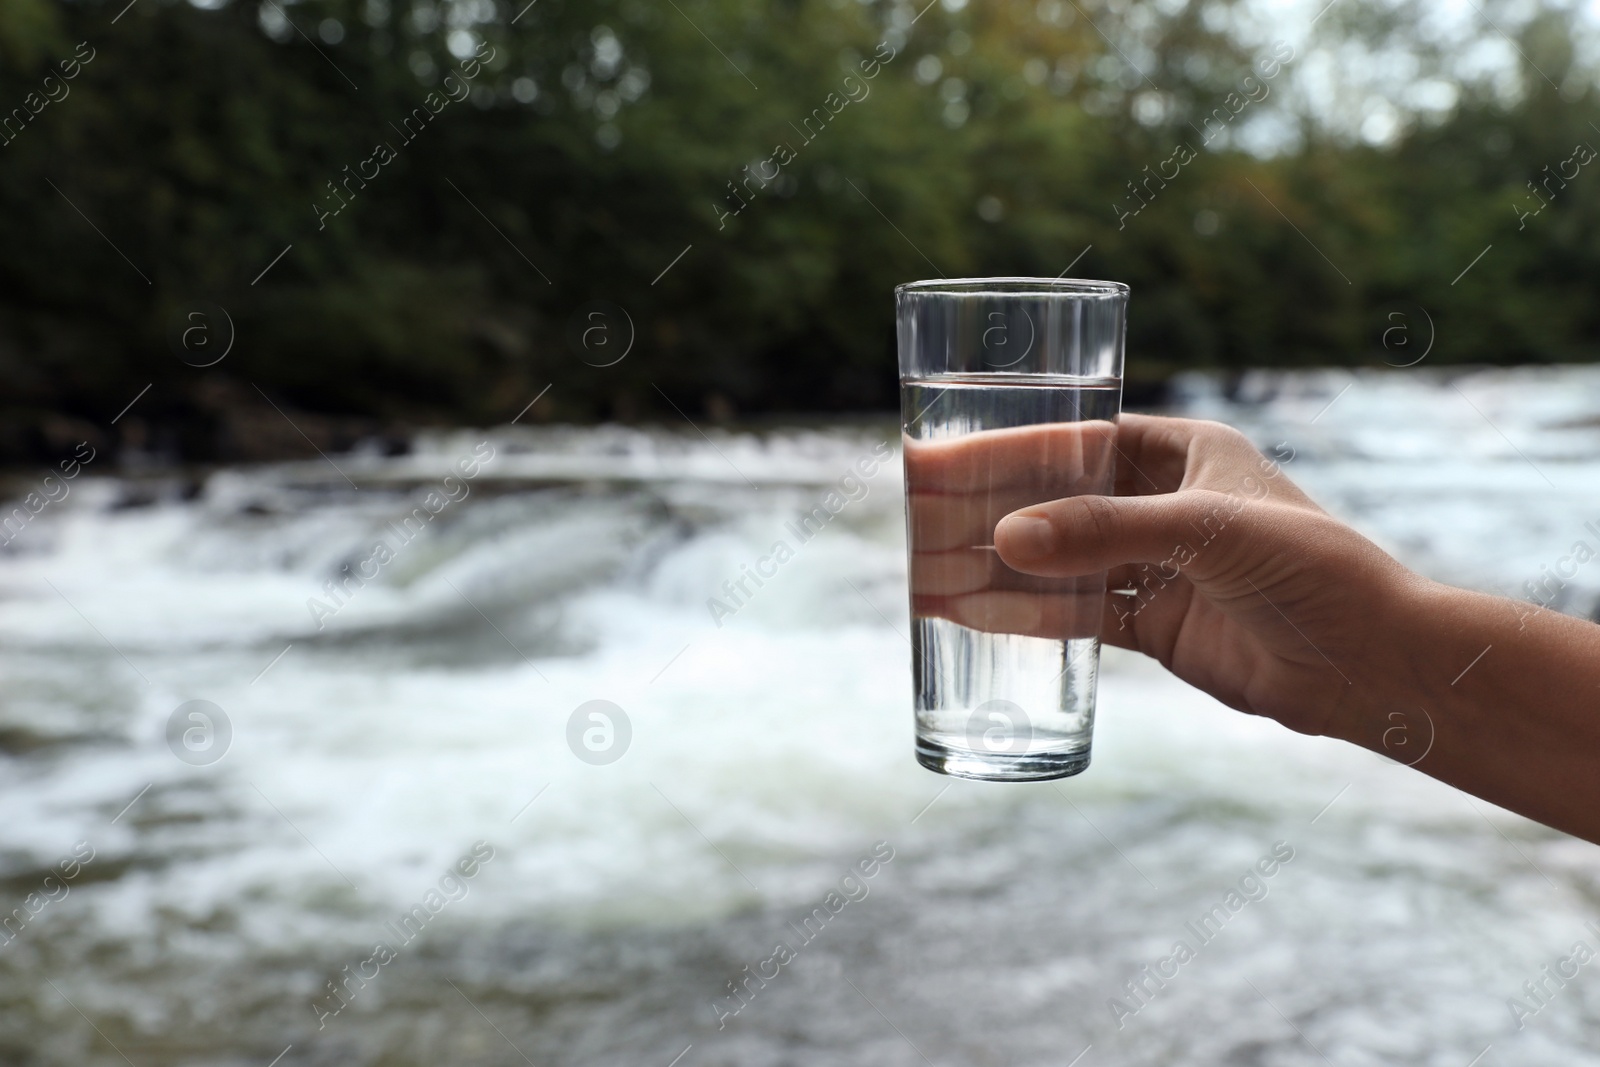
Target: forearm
[[1507, 693]]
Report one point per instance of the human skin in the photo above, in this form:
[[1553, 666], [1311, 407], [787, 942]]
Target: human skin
[[957, 488], [1280, 610]]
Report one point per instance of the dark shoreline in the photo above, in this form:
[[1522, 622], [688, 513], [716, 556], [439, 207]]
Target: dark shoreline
[[257, 433]]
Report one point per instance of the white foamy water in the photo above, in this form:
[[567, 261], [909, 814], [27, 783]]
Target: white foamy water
[[768, 754]]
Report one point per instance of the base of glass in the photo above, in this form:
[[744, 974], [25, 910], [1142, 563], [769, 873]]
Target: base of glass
[[1000, 766]]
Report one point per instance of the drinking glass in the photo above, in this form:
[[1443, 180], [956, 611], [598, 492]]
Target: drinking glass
[[1009, 391]]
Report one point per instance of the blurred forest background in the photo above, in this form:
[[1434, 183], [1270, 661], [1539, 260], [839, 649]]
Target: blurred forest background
[[591, 161]]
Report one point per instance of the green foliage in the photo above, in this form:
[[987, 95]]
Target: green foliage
[[600, 140]]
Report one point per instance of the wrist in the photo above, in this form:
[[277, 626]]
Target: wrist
[[1418, 630], [1493, 696]]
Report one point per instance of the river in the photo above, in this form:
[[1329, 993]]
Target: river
[[362, 749]]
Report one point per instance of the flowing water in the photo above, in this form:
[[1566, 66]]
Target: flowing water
[[420, 844]]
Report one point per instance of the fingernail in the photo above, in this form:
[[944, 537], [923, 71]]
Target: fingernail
[[1028, 538]]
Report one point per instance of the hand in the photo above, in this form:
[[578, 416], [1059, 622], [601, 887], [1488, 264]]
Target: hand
[[958, 488], [1241, 586]]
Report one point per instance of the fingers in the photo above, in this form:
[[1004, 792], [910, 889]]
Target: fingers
[[1089, 534], [958, 488], [964, 570], [1152, 453], [988, 509], [968, 570], [939, 522], [1157, 454], [1062, 616], [1024, 457], [1145, 615], [1148, 454]]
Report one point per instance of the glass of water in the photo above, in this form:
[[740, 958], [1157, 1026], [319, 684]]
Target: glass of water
[[1009, 391]]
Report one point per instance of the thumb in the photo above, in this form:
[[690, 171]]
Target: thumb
[[1084, 535]]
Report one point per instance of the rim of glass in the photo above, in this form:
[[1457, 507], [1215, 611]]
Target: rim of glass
[[1013, 287]]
